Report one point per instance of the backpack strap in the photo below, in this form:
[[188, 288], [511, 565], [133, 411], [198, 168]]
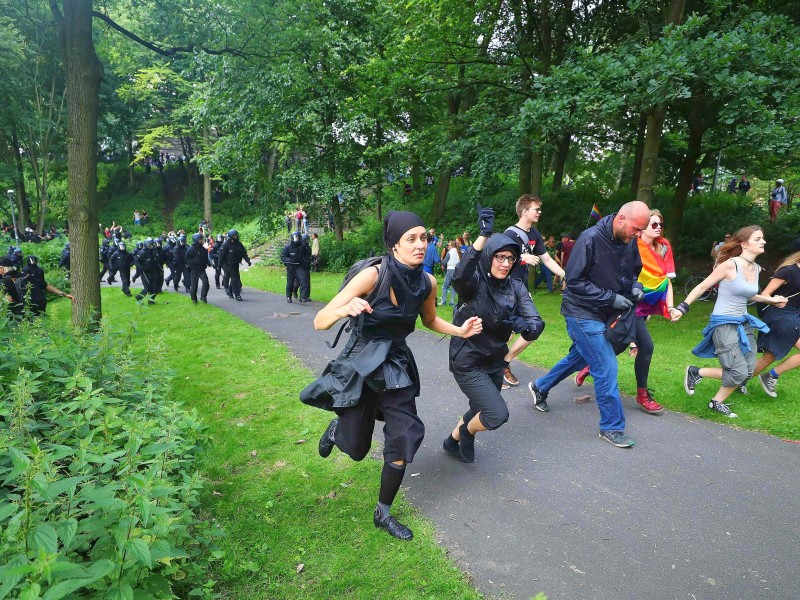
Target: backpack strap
[[357, 323]]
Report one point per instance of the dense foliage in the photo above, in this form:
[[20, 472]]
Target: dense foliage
[[98, 488]]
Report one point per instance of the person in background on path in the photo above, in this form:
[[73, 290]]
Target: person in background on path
[[137, 217], [744, 185], [778, 198], [197, 262], [567, 244], [287, 221], [729, 334], [378, 348], [231, 255], [122, 260], [698, 184], [304, 228], [504, 307], [533, 251], [431, 254], [602, 279], [716, 246], [290, 257], [450, 261], [658, 269], [314, 252], [783, 323], [732, 185], [467, 241]]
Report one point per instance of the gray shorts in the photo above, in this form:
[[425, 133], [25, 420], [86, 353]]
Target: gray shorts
[[737, 366]]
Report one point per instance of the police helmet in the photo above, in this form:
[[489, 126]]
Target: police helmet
[[197, 237], [17, 250], [233, 234], [105, 242], [780, 181], [220, 238], [148, 243], [139, 245], [66, 246], [305, 237], [181, 239], [33, 261], [122, 246], [295, 237]]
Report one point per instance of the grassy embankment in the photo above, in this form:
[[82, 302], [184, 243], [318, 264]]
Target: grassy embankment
[[296, 526], [674, 341]]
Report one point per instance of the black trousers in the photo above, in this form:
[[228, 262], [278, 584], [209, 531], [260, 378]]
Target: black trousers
[[304, 277], [226, 278], [291, 274], [198, 276], [177, 273], [217, 273], [234, 280], [403, 430], [482, 388], [158, 279], [112, 273], [187, 277], [125, 277]]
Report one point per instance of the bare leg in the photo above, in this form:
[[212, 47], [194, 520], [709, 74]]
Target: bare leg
[[474, 426]]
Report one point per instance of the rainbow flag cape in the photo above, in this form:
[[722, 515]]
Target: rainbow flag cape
[[595, 214], [653, 278]]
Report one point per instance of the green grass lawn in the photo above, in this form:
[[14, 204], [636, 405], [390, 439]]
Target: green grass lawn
[[673, 344], [296, 526]]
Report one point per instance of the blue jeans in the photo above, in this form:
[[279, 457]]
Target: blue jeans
[[546, 275], [448, 278], [589, 346]]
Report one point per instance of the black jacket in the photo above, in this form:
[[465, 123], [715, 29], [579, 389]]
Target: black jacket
[[179, 255], [599, 267], [197, 257], [232, 253], [292, 254], [495, 301], [121, 260]]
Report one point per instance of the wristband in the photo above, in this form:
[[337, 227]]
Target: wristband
[[683, 307]]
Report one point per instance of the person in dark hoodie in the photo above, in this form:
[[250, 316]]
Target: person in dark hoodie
[[197, 261], [383, 381], [602, 281], [504, 305]]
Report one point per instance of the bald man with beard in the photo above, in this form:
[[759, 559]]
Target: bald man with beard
[[601, 280]]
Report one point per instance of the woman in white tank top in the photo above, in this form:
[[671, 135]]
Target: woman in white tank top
[[729, 334]]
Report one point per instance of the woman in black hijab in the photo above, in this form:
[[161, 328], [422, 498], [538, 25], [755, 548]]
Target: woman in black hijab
[[375, 377], [504, 306]]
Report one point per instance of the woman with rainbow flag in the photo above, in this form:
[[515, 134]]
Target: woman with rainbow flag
[[658, 267]]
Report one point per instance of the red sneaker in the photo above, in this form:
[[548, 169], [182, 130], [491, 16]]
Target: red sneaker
[[581, 376], [646, 402]]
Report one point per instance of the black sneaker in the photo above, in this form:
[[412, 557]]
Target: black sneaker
[[451, 446], [768, 382], [691, 379], [392, 526], [239, 298], [722, 409], [742, 389], [539, 399], [289, 299], [326, 442], [466, 444], [617, 438]]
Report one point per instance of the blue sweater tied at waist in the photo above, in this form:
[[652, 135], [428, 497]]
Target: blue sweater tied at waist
[[705, 349]]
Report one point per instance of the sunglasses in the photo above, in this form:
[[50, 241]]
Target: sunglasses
[[656, 225]]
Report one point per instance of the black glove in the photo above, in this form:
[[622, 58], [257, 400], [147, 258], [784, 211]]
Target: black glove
[[637, 294], [621, 302], [534, 330], [485, 220], [249, 264], [517, 324]]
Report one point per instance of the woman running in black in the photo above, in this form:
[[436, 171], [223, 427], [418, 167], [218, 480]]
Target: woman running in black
[[504, 306], [375, 377]]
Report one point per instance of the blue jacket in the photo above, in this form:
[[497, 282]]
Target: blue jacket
[[431, 258], [599, 268], [705, 349]]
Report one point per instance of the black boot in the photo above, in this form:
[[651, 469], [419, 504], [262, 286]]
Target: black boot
[[466, 444], [451, 446]]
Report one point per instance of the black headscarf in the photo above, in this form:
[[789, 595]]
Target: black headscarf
[[396, 223], [407, 282]]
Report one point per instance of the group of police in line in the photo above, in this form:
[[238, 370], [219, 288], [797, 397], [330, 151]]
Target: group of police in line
[[185, 262], [296, 256]]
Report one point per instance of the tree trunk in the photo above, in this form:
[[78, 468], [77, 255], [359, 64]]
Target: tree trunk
[[637, 160], [688, 164], [207, 185], [623, 160], [442, 189], [23, 206], [273, 155], [562, 152], [131, 158], [537, 173], [43, 203], [84, 74], [652, 143], [525, 171]]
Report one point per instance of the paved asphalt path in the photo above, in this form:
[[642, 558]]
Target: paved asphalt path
[[696, 510]]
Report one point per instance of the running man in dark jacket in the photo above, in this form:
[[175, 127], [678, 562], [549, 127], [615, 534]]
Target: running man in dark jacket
[[231, 255], [197, 261]]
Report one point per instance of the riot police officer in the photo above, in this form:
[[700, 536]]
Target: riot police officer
[[215, 262], [179, 262], [291, 256], [197, 262], [230, 255], [147, 261], [121, 262]]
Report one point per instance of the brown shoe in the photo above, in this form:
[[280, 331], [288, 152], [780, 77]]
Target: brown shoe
[[509, 377]]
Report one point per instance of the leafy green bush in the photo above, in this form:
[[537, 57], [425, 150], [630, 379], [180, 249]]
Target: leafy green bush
[[98, 492], [360, 243]]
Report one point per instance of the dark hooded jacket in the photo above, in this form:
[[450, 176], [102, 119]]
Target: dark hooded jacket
[[599, 267], [495, 301]]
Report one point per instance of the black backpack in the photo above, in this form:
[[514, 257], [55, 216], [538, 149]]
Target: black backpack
[[381, 287]]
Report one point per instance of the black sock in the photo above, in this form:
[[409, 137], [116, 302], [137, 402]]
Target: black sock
[[451, 442], [391, 478], [467, 443]]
